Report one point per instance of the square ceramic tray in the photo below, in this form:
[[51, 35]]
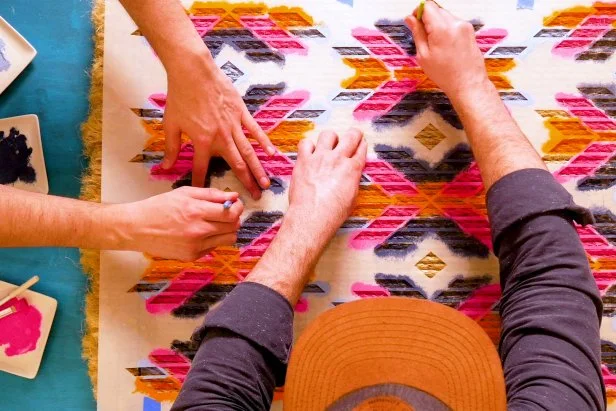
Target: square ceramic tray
[[27, 364], [27, 126], [15, 54]]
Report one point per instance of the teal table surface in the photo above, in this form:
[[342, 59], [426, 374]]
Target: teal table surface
[[54, 87]]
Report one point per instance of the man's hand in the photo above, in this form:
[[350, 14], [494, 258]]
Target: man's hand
[[201, 101], [438, 37], [183, 224], [498, 144], [326, 179], [203, 104]]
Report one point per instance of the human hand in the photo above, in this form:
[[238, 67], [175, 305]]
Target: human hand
[[183, 224], [440, 37], [325, 182], [203, 104]]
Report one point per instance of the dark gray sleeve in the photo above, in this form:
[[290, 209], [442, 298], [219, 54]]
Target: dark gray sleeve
[[243, 355], [551, 309]]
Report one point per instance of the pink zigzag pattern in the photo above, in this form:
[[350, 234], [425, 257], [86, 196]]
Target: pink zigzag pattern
[[481, 302], [188, 282], [269, 116], [173, 363], [392, 219], [395, 58], [596, 245], [585, 110], [582, 38], [262, 27], [391, 180], [587, 162], [604, 280], [179, 290]]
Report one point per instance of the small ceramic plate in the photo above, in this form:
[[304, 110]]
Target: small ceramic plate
[[21, 352], [15, 54], [17, 168]]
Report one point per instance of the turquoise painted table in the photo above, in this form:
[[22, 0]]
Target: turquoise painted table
[[55, 87]]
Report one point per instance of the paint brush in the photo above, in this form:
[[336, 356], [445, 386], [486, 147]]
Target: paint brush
[[7, 311], [16, 292]]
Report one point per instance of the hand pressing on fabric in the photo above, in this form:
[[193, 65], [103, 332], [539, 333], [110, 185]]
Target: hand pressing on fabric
[[323, 189], [183, 224], [203, 104], [438, 37], [325, 181], [201, 101]]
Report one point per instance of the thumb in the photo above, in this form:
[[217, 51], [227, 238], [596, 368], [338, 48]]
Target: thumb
[[419, 34]]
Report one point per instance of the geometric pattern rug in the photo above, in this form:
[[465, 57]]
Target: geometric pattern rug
[[419, 228]]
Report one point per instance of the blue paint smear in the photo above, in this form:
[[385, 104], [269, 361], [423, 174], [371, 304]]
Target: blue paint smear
[[349, 2], [150, 405], [4, 61], [526, 4]]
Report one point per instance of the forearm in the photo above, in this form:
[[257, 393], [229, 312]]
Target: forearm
[[36, 220], [243, 352], [550, 309], [288, 262], [498, 144], [245, 342], [168, 30]]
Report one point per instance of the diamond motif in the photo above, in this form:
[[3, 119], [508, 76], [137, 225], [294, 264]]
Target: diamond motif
[[430, 137], [430, 265]]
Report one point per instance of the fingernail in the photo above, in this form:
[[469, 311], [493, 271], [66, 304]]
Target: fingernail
[[271, 150], [265, 182]]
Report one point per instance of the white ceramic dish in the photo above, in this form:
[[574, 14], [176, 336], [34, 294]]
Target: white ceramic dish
[[15, 54], [27, 365], [28, 125]]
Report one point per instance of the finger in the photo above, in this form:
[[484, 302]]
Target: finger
[[432, 18], [217, 241], [241, 170], [327, 140], [419, 35], [201, 161], [218, 228], [257, 133], [210, 194], [247, 152], [361, 153], [216, 212], [173, 142], [305, 148], [349, 143]]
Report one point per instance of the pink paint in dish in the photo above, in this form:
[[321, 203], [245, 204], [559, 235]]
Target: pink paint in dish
[[21, 330]]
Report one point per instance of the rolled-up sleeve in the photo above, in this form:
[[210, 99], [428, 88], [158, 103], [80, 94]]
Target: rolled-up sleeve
[[551, 309], [243, 354]]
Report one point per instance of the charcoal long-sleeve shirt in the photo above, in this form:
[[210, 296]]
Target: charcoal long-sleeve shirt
[[550, 309]]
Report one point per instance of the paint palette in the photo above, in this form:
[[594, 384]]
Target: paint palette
[[15, 54], [22, 164], [23, 334]]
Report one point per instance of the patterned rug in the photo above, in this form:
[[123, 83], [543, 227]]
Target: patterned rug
[[419, 228]]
